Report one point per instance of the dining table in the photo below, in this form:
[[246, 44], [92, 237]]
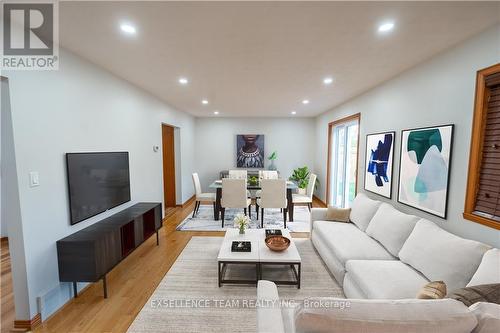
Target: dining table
[[217, 185]]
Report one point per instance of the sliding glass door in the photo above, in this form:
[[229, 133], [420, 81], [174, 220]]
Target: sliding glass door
[[343, 160]]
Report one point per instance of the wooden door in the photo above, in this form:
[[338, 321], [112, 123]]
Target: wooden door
[[168, 165]]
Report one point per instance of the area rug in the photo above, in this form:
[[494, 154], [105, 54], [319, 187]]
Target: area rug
[[188, 298], [273, 218]]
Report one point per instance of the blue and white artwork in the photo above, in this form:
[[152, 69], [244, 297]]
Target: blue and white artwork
[[425, 167], [379, 157]]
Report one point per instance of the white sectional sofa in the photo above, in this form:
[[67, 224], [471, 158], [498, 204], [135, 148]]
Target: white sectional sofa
[[382, 259], [386, 254]]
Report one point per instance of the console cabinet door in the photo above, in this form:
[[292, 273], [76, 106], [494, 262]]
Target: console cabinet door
[[108, 252]]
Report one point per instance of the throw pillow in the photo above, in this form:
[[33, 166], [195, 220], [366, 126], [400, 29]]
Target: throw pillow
[[338, 214], [483, 293], [433, 290]]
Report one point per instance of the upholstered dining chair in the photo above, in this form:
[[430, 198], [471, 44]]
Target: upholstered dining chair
[[234, 195], [238, 174], [273, 195], [268, 174], [308, 197], [205, 197]]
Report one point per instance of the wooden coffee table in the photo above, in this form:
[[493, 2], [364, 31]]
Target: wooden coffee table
[[260, 256]]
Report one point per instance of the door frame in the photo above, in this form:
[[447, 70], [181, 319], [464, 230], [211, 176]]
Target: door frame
[[168, 166], [356, 116]]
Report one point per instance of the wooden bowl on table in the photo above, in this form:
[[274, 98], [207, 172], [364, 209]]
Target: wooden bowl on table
[[277, 243]]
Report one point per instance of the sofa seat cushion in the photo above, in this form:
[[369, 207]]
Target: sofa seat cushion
[[489, 269], [385, 279], [362, 210], [391, 227], [347, 242], [442, 256]]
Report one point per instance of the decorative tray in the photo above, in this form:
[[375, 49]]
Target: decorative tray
[[273, 232]]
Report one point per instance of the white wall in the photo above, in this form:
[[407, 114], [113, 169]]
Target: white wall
[[81, 108], [439, 91], [292, 138], [11, 207]]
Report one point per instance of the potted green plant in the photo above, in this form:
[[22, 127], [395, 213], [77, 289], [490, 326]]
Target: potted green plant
[[272, 158], [301, 177]]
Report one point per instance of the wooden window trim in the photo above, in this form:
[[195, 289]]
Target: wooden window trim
[[475, 157], [356, 116]]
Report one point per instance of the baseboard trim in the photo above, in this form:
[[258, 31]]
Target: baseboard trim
[[320, 201], [29, 324], [187, 202]]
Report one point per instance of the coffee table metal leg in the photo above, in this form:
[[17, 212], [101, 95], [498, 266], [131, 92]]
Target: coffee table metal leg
[[220, 277], [300, 274]]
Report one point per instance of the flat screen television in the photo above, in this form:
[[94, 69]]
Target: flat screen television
[[97, 182]]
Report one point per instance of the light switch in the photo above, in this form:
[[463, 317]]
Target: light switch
[[34, 180]]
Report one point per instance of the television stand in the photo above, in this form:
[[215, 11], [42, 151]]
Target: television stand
[[89, 254]]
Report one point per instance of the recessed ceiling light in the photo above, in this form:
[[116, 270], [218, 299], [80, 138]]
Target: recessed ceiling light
[[183, 80], [216, 112], [305, 101], [385, 27], [128, 28], [328, 80], [204, 102], [293, 112]]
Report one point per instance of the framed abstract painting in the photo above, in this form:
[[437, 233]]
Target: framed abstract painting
[[249, 151], [379, 163], [424, 168]]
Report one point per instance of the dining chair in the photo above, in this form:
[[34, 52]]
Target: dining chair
[[308, 197], [234, 195], [273, 195], [268, 174], [205, 197], [238, 174]]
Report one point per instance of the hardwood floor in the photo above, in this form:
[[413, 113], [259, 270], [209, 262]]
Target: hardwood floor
[[130, 284]]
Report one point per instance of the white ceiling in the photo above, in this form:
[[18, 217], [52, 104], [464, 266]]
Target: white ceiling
[[263, 58]]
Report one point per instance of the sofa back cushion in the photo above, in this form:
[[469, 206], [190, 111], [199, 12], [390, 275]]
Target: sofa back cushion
[[391, 227], [362, 210], [383, 316], [440, 255], [489, 269]]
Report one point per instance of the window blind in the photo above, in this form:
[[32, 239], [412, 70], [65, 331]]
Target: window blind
[[488, 191]]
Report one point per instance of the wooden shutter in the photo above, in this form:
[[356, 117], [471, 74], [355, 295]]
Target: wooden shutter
[[482, 199], [488, 194]]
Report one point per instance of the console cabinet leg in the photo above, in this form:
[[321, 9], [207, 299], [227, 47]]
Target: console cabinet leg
[[75, 291], [104, 286], [157, 238]]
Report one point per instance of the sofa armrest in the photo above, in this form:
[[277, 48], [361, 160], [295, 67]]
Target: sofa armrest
[[317, 214], [269, 317]]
